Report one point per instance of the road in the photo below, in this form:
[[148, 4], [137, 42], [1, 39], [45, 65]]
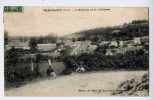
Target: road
[[86, 84]]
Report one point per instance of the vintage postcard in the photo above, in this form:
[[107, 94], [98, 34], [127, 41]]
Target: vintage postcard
[[76, 51]]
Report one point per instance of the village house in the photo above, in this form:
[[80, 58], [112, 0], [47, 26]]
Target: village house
[[137, 40], [109, 52], [103, 43], [113, 44]]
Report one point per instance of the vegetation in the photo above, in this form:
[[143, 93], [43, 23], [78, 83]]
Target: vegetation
[[131, 60], [17, 66], [33, 44], [136, 28], [47, 39], [133, 87]]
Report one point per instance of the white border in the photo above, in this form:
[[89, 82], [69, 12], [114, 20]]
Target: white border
[[94, 3], [78, 2]]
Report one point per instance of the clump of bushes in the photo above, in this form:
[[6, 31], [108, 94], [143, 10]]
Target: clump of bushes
[[131, 60], [18, 67], [134, 87]]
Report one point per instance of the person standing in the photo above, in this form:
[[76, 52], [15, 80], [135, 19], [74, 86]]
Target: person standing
[[50, 72]]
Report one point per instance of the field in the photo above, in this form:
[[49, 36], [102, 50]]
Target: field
[[87, 84]]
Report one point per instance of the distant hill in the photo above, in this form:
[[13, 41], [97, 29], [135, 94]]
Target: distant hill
[[126, 31]]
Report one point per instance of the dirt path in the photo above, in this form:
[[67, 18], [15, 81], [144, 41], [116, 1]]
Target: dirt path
[[87, 84]]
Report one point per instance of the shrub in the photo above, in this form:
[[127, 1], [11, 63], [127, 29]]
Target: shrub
[[131, 60]]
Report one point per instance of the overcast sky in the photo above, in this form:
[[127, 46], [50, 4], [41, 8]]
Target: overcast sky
[[35, 21]]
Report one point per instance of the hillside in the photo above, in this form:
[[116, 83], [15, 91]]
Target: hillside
[[136, 28]]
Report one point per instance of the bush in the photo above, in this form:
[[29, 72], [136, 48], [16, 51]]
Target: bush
[[131, 60], [33, 44], [18, 67], [133, 87]]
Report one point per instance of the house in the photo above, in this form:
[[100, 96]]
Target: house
[[113, 44], [137, 40], [103, 43], [116, 31], [121, 43], [82, 47], [108, 52], [145, 40]]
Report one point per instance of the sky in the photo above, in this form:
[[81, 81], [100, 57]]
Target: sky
[[39, 21]]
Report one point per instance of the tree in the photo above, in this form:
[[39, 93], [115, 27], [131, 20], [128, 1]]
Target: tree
[[73, 39], [33, 44]]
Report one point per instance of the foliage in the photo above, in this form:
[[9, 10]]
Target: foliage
[[18, 67], [47, 39], [136, 28], [131, 60], [33, 44]]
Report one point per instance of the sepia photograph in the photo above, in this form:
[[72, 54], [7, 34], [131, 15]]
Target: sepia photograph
[[76, 51]]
